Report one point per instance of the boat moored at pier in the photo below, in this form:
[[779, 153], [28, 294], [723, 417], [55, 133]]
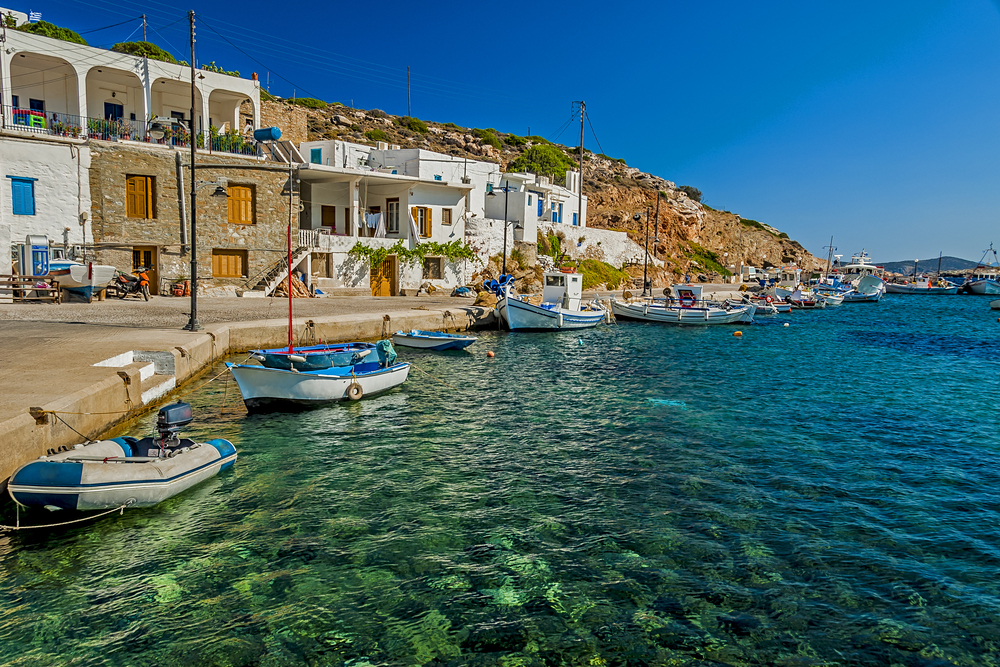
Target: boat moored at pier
[[684, 304], [561, 305]]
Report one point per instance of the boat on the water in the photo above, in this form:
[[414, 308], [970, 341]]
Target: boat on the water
[[921, 287], [432, 340], [561, 306], [984, 279], [83, 279], [123, 471], [276, 389], [314, 357], [801, 301], [995, 304], [684, 304]]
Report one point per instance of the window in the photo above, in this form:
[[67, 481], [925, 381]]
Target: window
[[422, 216], [241, 208], [489, 188], [316, 155], [36, 105], [560, 212], [575, 221], [139, 197], [446, 216], [228, 263], [433, 268], [437, 177], [529, 200], [22, 195], [15, 101], [392, 216]]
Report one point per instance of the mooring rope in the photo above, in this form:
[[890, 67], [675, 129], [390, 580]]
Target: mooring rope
[[120, 509]]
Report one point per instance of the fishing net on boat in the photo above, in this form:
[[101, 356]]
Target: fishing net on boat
[[386, 353]]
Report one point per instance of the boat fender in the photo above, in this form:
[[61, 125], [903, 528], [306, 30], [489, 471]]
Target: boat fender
[[786, 324], [738, 334], [354, 392]]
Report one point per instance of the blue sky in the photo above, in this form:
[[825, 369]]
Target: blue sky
[[876, 123]]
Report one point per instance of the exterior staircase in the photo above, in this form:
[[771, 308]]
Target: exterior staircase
[[266, 281]]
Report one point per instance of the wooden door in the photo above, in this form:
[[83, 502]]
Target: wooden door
[[383, 278], [146, 256]]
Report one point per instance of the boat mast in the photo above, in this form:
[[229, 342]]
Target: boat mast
[[829, 257], [940, 253], [291, 188]]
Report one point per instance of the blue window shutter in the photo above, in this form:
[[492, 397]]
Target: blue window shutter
[[560, 212], [316, 156], [22, 196], [574, 219]]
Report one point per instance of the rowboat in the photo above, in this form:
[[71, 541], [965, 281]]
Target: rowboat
[[921, 288], [122, 471], [684, 305], [432, 340], [82, 279], [560, 308], [275, 389]]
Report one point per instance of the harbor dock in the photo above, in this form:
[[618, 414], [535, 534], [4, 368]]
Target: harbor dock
[[76, 370]]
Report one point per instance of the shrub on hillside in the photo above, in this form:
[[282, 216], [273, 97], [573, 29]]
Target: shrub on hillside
[[308, 102], [596, 272], [545, 160], [691, 191], [538, 140], [488, 137], [515, 141], [451, 126], [46, 29], [377, 113], [376, 135], [266, 96], [412, 124], [144, 50]]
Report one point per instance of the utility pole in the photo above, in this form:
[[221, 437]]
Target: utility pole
[[144, 28], [409, 110], [656, 229], [646, 288], [579, 193], [193, 324]]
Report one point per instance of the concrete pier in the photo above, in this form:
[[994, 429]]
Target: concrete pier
[[77, 370]]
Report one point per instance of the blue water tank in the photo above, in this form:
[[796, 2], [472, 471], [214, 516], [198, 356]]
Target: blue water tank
[[267, 134]]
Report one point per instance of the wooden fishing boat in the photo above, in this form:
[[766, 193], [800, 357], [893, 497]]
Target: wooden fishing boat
[[432, 340], [684, 305], [561, 306], [122, 471], [314, 357]]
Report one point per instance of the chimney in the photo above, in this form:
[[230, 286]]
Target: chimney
[[254, 77]]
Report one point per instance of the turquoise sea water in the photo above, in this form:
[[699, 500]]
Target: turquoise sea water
[[822, 494]]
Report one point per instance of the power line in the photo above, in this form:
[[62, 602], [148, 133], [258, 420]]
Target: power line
[[587, 114], [115, 25]]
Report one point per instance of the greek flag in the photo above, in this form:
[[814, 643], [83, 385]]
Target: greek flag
[[34, 17]]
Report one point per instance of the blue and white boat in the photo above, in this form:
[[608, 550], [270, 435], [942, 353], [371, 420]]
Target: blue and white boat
[[314, 357], [432, 340], [124, 471], [561, 306], [82, 279], [276, 389], [684, 304]]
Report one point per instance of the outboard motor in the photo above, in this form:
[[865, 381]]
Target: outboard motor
[[171, 419]]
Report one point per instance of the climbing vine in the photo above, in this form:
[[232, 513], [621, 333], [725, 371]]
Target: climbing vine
[[454, 252]]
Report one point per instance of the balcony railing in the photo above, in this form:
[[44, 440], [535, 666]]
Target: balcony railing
[[68, 125]]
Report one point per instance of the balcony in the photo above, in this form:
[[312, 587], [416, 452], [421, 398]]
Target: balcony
[[80, 127]]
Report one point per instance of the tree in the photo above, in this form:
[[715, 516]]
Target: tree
[[144, 50], [544, 160], [692, 192], [46, 29]]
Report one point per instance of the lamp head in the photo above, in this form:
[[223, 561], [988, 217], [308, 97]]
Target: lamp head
[[220, 192], [156, 131], [636, 217]]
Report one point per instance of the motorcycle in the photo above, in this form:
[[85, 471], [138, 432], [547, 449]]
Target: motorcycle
[[123, 284]]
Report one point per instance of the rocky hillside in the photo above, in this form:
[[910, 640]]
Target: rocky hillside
[[691, 236]]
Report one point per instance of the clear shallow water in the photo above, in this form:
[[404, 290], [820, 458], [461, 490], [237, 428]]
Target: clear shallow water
[[822, 494]]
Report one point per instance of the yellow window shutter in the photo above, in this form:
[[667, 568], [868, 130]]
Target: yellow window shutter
[[137, 197], [413, 212], [147, 183], [130, 198], [427, 232], [232, 205]]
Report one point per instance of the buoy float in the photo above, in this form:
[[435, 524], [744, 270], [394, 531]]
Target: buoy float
[[738, 334], [490, 355], [580, 341], [786, 323]]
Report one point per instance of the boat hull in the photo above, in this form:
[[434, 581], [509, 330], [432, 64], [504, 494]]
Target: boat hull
[[78, 278], [645, 312], [59, 481], [894, 288], [432, 340], [274, 389], [983, 287], [522, 316]]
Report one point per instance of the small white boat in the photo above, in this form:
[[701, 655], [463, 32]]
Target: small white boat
[[831, 299], [995, 304], [801, 301], [276, 389], [983, 286], [313, 357], [685, 306], [122, 471], [432, 340], [83, 279], [921, 288], [561, 306], [984, 279]]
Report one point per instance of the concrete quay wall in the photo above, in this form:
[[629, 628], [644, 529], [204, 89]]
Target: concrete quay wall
[[131, 383]]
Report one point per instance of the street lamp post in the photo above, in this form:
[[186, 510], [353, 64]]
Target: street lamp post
[[646, 289]]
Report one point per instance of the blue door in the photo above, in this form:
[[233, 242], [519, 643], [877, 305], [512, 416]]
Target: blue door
[[113, 111], [541, 207], [560, 212]]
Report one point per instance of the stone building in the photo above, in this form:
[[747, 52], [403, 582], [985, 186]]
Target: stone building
[[140, 216]]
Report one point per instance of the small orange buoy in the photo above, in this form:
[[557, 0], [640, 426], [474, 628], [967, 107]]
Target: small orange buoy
[[490, 355], [738, 334]]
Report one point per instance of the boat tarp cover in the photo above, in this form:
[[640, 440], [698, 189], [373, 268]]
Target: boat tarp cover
[[386, 353]]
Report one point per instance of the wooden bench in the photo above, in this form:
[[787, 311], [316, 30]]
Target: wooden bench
[[22, 288]]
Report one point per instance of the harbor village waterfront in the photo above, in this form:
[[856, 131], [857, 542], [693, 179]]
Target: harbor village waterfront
[[289, 379]]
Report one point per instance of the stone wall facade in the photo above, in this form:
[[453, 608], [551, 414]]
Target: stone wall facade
[[116, 236], [289, 117]]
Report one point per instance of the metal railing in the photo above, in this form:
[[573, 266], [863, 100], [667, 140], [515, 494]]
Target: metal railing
[[69, 125]]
